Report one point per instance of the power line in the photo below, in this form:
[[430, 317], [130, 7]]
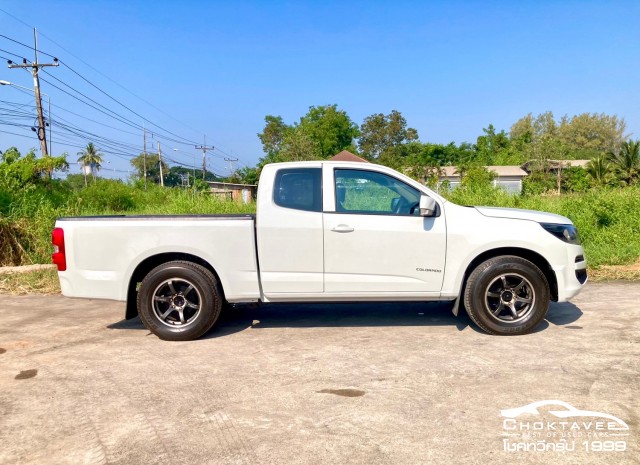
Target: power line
[[104, 110], [57, 107], [10, 53], [123, 105], [24, 45], [119, 117], [111, 113], [181, 140], [101, 73], [99, 89]]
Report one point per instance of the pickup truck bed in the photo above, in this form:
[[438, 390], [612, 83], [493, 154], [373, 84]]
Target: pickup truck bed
[[106, 251]]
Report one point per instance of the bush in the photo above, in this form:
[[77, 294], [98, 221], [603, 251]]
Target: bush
[[575, 179], [539, 182], [107, 195]]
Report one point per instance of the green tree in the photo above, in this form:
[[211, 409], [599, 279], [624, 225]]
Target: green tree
[[273, 134], [626, 162], [330, 129], [10, 155], [588, 134], [532, 130], [90, 157], [584, 136], [495, 148], [152, 163], [380, 134], [179, 176], [246, 175], [298, 145]]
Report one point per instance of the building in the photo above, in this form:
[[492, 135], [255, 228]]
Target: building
[[232, 191], [507, 177], [345, 155], [556, 165]]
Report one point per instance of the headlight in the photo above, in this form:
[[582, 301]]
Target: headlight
[[564, 232]]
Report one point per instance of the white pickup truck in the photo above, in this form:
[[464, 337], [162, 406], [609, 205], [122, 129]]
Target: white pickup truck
[[325, 232]]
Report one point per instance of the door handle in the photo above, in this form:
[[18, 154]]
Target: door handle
[[343, 228]]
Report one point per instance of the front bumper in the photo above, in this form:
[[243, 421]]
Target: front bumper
[[572, 276]]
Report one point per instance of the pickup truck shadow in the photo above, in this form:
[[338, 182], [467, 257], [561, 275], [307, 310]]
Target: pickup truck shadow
[[561, 314], [241, 317], [365, 314], [350, 314]]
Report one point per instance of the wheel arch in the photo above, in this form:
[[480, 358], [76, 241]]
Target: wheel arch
[[527, 254], [148, 264]]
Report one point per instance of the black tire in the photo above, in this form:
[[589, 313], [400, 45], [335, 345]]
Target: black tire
[[507, 295], [179, 301]]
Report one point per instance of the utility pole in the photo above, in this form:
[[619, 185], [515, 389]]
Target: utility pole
[[230, 160], [160, 162], [35, 68], [204, 149], [144, 156]]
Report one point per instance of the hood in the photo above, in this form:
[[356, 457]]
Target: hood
[[517, 214]]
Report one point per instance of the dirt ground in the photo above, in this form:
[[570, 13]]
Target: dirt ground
[[320, 384]]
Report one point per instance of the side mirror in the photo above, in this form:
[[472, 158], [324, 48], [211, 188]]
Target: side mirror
[[427, 206]]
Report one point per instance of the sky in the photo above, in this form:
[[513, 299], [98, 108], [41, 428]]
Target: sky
[[194, 68]]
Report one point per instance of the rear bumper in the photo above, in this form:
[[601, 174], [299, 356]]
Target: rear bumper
[[91, 285]]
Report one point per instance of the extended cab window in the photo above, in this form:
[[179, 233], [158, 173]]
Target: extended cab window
[[359, 191], [299, 188]]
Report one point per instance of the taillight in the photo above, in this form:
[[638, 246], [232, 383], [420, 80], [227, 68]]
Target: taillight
[[58, 256]]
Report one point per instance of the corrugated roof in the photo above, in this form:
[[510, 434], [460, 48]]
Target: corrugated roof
[[507, 170], [345, 155], [450, 171], [555, 164]]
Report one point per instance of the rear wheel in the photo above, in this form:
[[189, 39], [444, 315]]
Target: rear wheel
[[507, 295], [179, 301]]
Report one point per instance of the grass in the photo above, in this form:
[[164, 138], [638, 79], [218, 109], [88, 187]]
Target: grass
[[43, 282]]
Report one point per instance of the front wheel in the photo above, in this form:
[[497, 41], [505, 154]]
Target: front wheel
[[179, 301], [507, 295]]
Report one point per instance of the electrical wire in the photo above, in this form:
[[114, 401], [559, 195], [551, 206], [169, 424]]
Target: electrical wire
[[112, 114]]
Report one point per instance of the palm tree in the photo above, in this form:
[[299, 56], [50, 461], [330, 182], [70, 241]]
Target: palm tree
[[627, 161], [599, 168], [92, 158]]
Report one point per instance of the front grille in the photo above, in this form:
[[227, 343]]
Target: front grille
[[579, 258], [581, 275]]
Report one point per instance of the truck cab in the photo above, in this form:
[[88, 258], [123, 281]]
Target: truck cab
[[338, 231]]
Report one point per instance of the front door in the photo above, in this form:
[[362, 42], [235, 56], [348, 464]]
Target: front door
[[376, 242]]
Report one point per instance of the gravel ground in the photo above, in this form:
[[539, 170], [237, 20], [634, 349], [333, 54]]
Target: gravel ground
[[318, 384]]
